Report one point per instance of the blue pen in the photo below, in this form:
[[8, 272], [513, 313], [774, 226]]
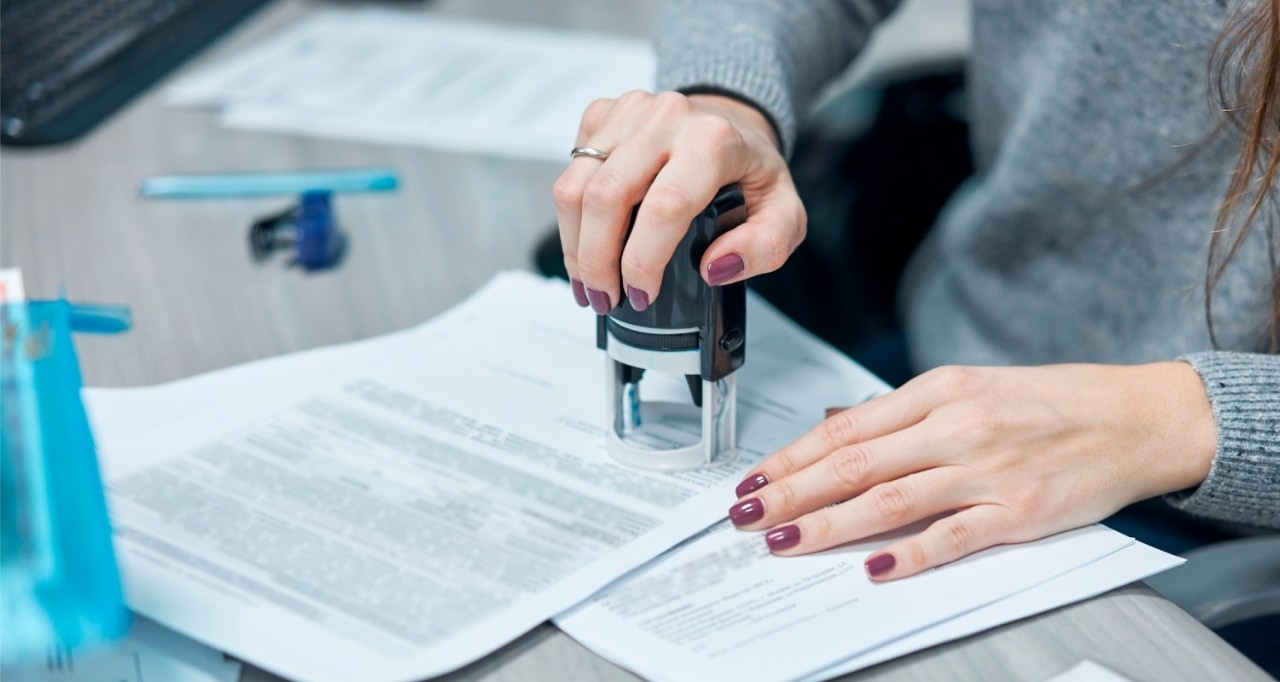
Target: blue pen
[[98, 318], [268, 184]]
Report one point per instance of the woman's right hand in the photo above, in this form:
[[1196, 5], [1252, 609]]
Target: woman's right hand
[[671, 153]]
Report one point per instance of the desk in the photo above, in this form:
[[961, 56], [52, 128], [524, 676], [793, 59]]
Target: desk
[[69, 216]]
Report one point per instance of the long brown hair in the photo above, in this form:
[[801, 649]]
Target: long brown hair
[[1244, 79]]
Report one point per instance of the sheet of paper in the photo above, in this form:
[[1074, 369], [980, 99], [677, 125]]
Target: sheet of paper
[[149, 653], [413, 78], [1127, 565], [120, 415], [702, 610], [397, 508], [1088, 671]]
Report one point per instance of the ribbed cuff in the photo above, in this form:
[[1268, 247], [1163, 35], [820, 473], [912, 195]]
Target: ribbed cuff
[[1244, 481]]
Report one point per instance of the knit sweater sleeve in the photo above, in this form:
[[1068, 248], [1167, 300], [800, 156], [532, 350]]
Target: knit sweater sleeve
[[773, 55], [1244, 481]]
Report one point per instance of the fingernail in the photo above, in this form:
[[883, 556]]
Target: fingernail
[[746, 512], [599, 301], [785, 537], [579, 293], [639, 299], [725, 268], [831, 411], [880, 564], [750, 485]]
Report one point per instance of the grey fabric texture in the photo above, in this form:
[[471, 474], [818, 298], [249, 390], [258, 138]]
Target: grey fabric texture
[[1083, 235], [1244, 483]]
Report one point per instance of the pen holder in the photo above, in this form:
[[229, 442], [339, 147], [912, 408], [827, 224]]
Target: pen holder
[[59, 582]]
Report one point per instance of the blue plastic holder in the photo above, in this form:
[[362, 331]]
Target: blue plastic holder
[[310, 231], [320, 242], [59, 581]]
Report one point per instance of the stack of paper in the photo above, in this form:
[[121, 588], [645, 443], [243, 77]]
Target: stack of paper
[[698, 612], [396, 508], [412, 79]]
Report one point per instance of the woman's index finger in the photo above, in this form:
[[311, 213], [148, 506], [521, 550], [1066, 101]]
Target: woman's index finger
[[879, 416]]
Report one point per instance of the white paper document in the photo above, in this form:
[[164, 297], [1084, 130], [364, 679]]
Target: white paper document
[[1088, 671], [413, 78], [394, 508], [149, 653], [1129, 564], [398, 508], [705, 610]]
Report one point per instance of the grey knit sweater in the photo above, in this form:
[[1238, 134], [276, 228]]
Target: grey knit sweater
[[1083, 235]]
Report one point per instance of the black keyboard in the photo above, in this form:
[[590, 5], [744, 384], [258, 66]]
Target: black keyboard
[[65, 65]]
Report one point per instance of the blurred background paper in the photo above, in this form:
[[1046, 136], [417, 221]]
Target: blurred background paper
[[404, 78], [149, 653]]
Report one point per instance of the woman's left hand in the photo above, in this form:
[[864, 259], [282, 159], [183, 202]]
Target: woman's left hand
[[1018, 453]]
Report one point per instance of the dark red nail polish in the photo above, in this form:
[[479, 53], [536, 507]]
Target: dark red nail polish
[[599, 301], [880, 564], [746, 512], [639, 299], [579, 293], [725, 268], [752, 484], [785, 537]]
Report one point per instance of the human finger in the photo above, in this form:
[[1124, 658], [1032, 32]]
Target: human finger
[[945, 540], [885, 507], [567, 195], [874, 418], [608, 201], [613, 191], [678, 193], [775, 226], [603, 124], [847, 472]]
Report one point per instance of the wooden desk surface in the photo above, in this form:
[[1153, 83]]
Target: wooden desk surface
[[69, 216]]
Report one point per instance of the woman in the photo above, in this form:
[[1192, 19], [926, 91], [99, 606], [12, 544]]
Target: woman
[[1094, 232]]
